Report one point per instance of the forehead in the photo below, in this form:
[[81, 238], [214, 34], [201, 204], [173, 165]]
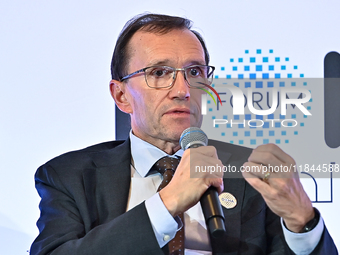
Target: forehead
[[179, 47]]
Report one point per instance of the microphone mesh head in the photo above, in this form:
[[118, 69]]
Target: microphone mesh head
[[193, 137]]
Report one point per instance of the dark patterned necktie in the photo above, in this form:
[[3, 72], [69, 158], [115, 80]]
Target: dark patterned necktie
[[167, 166]]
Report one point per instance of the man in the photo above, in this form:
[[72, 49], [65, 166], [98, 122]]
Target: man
[[104, 199]]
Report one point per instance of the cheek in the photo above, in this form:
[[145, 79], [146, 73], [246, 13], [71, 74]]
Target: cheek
[[142, 105], [196, 96]]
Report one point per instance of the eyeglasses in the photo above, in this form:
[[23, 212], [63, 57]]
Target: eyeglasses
[[164, 76]]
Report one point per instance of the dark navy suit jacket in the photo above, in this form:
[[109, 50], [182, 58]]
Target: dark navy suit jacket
[[84, 197]]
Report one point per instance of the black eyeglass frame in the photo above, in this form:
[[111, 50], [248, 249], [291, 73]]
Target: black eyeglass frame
[[175, 70]]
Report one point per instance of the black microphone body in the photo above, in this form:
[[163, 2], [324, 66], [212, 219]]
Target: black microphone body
[[192, 138]]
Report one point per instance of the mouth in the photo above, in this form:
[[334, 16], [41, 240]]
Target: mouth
[[178, 111]]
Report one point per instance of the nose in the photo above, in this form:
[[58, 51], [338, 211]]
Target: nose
[[180, 89]]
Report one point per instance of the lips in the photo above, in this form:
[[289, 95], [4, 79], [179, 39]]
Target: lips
[[178, 111]]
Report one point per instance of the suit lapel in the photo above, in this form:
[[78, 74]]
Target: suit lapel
[[107, 183]]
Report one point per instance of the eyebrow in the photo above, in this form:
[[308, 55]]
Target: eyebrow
[[167, 62]]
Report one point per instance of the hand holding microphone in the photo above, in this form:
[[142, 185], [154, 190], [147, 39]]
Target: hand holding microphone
[[194, 137], [184, 191]]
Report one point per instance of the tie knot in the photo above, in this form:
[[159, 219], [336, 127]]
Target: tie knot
[[166, 163]]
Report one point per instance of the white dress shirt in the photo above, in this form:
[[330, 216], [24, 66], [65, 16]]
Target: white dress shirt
[[144, 187]]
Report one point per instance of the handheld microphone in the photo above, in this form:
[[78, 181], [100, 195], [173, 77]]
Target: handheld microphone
[[194, 137]]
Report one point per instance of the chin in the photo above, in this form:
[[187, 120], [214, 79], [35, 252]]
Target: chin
[[176, 134], [176, 128]]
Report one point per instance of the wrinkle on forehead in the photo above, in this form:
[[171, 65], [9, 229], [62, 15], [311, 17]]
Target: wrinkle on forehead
[[177, 48]]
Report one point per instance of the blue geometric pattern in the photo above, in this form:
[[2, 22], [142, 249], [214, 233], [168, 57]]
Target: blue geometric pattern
[[266, 65]]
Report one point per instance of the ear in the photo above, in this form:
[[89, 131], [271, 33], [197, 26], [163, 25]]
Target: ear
[[118, 93]]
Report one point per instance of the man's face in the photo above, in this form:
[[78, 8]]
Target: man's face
[[163, 114]]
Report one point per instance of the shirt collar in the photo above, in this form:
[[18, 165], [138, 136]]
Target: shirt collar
[[144, 154]]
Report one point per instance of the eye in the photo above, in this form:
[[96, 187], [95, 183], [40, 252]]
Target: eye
[[195, 71], [159, 72]]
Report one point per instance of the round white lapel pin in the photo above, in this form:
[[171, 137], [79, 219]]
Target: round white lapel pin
[[227, 200]]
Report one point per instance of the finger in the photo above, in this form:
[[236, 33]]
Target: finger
[[256, 170], [261, 186], [273, 150], [263, 171], [209, 168], [209, 151], [199, 156], [264, 158], [218, 184]]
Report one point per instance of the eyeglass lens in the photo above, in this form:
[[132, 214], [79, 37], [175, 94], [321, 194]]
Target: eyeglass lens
[[163, 76]]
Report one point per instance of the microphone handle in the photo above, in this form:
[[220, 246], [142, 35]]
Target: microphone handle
[[212, 209], [213, 213]]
